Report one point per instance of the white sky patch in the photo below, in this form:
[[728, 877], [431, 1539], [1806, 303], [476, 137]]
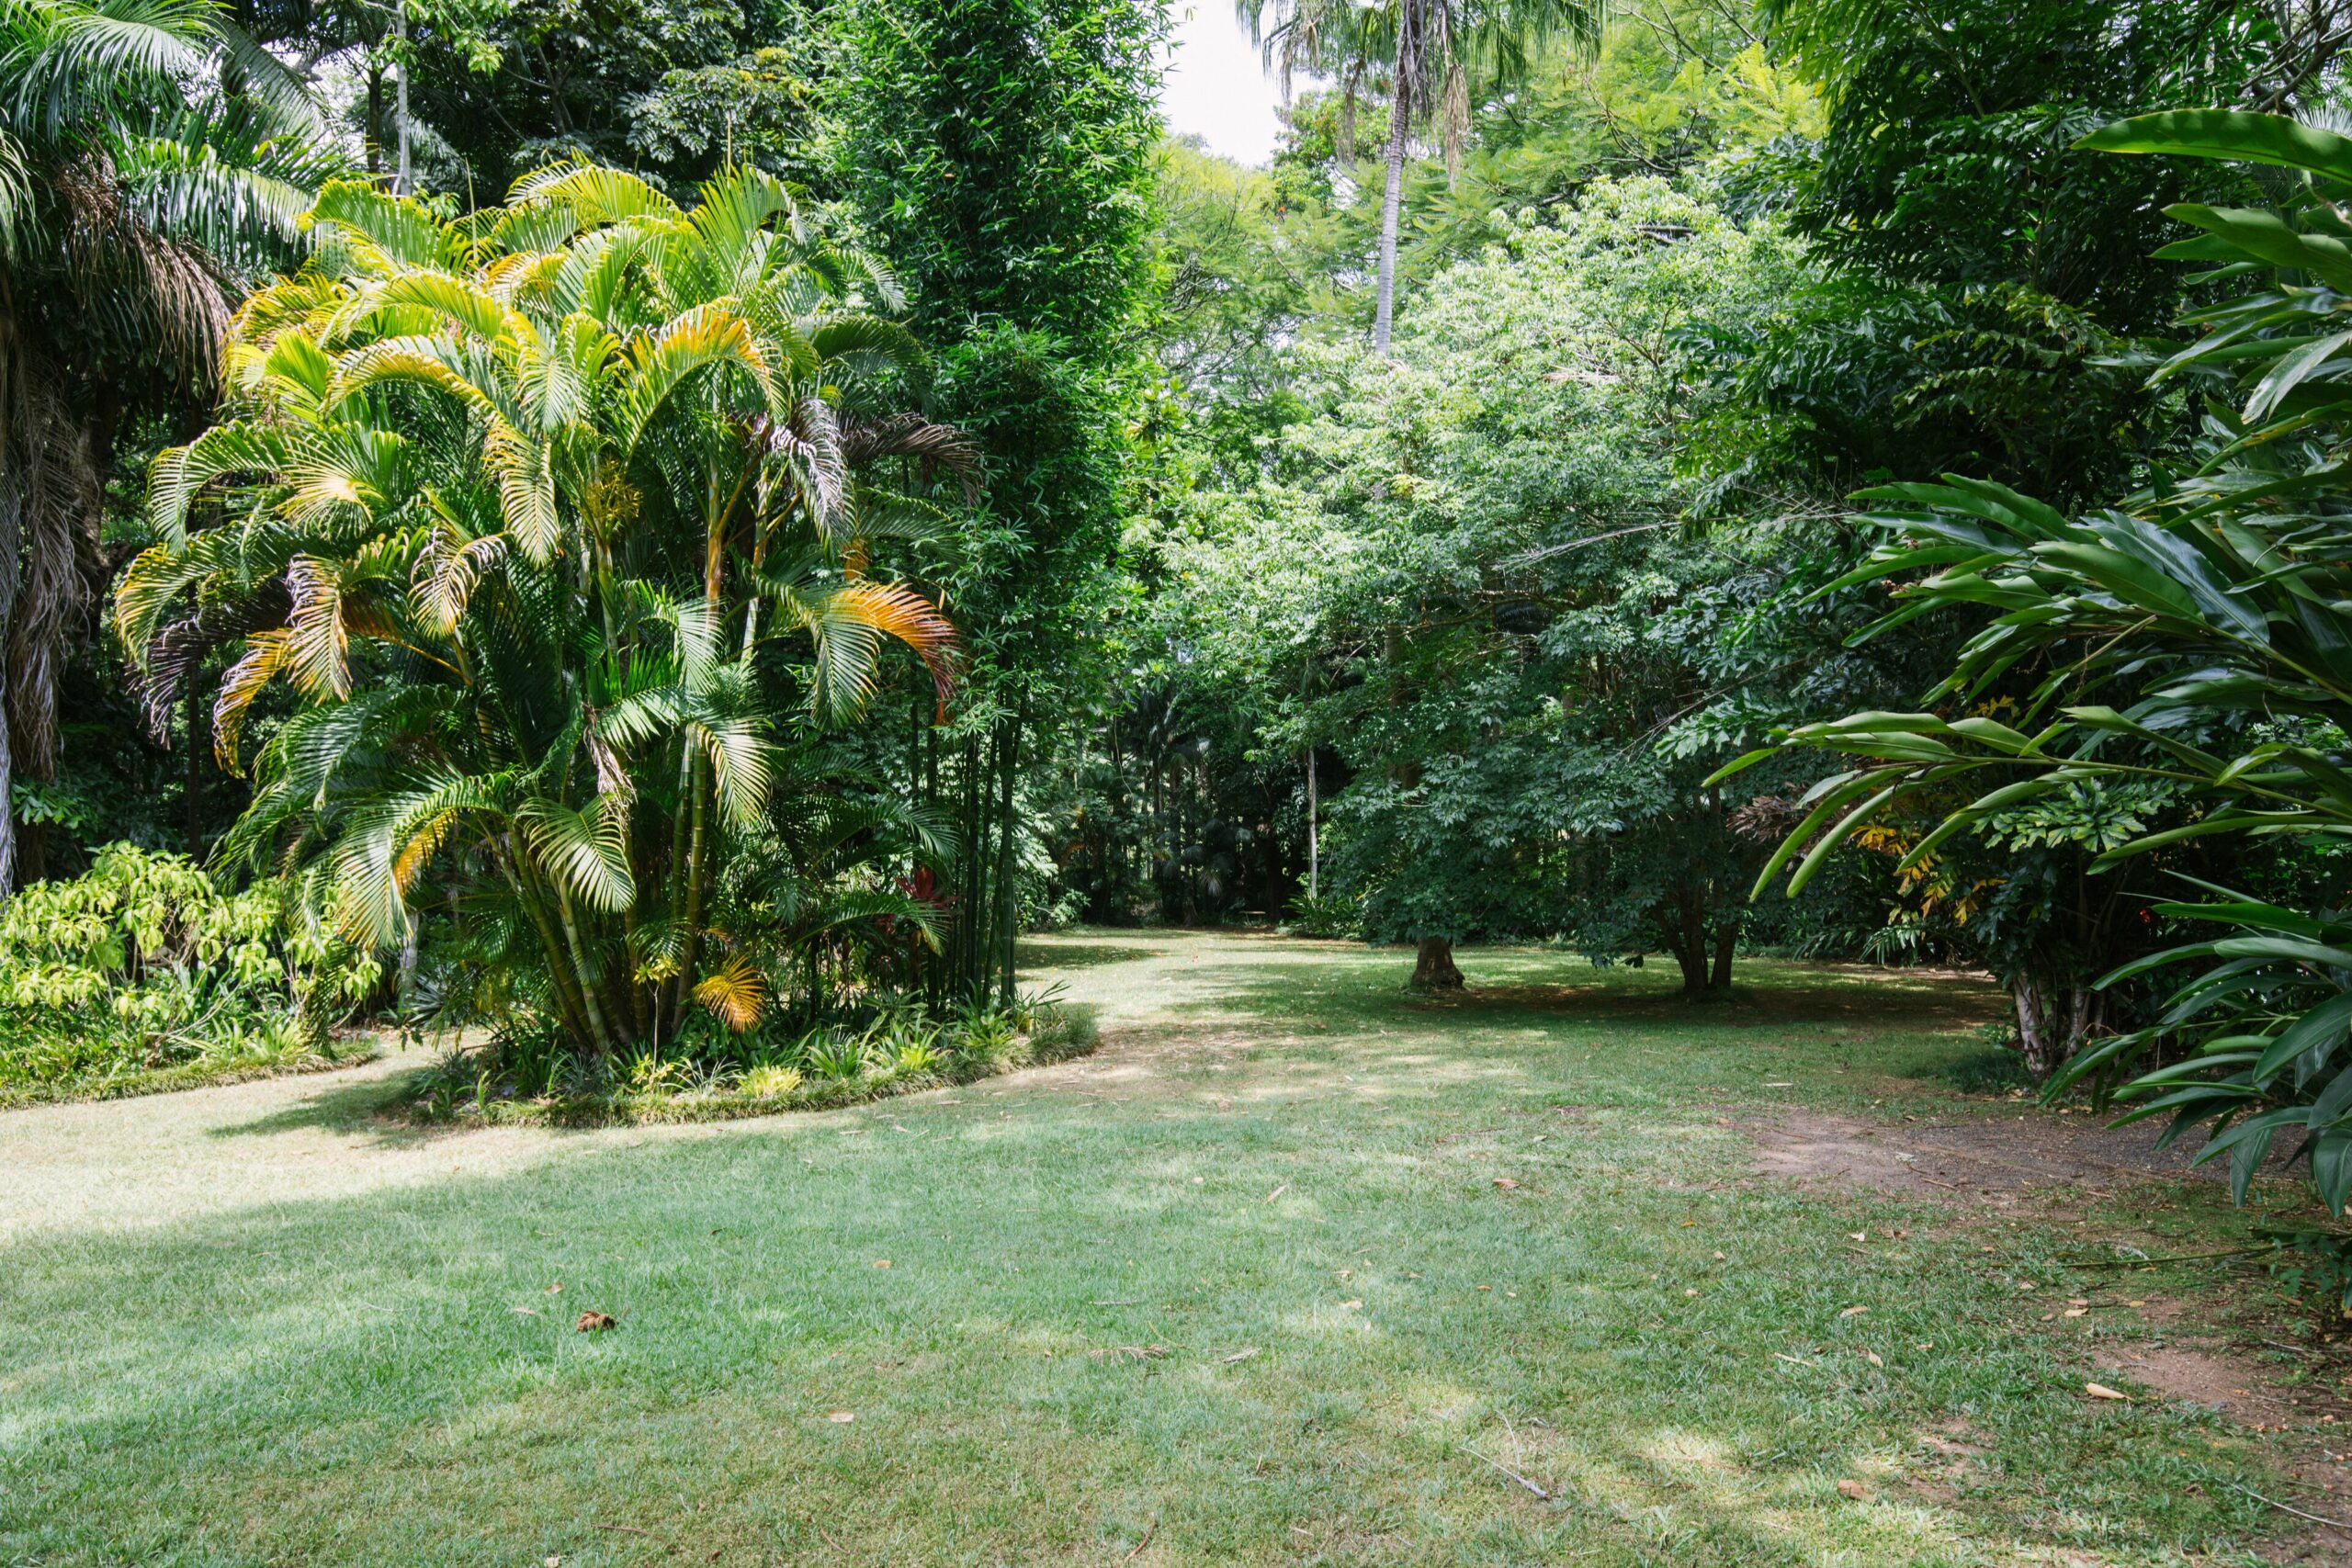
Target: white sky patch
[[1216, 87]]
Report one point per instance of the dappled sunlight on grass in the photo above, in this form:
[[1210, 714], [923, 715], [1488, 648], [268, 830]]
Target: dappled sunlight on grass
[[1246, 1281]]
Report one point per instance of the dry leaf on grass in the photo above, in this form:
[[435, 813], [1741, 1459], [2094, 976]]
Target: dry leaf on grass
[[1239, 1355], [1130, 1352], [1853, 1490], [1854, 1312], [594, 1321], [1506, 1183], [841, 1417], [2101, 1391]]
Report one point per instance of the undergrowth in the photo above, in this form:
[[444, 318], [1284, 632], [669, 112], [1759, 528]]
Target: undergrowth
[[527, 1077]]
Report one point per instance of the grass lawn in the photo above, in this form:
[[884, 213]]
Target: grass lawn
[[1248, 1286]]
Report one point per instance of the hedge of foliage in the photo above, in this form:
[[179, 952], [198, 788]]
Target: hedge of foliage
[[711, 1072], [144, 974]]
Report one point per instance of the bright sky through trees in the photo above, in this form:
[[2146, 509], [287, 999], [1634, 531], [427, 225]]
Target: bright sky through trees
[[1217, 88]]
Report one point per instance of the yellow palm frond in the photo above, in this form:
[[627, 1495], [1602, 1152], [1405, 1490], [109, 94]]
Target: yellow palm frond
[[265, 655], [736, 992]]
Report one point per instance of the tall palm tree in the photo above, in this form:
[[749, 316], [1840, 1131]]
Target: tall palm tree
[[138, 193], [1434, 55], [552, 518]]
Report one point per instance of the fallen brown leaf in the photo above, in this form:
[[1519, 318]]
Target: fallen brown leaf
[[2101, 1391], [1853, 1490], [1506, 1183], [594, 1321]]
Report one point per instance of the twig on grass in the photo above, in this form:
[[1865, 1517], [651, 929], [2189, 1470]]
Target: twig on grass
[[2175, 1258], [1136, 1549], [1532, 1486], [2290, 1509]]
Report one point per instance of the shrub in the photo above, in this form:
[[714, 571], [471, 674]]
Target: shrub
[[530, 1074], [1332, 917], [145, 973]]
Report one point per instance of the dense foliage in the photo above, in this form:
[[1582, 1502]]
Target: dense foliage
[[745, 508], [563, 517], [2191, 669], [145, 969]]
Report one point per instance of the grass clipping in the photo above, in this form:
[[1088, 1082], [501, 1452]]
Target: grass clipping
[[464, 1089]]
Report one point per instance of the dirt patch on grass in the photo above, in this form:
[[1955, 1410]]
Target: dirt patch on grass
[[1999, 1159], [2005, 1163], [2228, 1385]]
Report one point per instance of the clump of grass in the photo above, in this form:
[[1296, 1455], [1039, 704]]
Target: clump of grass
[[1996, 1067], [527, 1077]]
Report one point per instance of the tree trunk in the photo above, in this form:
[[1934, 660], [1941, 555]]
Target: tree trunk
[[1008, 899], [1400, 116], [1727, 941], [372, 135], [195, 785], [2053, 1020], [1314, 836], [11, 545], [8, 814], [1682, 928], [1433, 966], [401, 180]]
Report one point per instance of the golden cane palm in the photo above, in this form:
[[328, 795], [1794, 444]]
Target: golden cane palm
[[564, 518]]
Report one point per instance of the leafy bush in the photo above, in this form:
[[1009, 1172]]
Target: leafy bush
[[1333, 916], [145, 973]]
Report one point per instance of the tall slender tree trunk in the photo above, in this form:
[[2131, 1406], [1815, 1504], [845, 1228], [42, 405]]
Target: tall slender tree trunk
[[372, 136], [1313, 834], [400, 101], [12, 544], [1008, 899], [1400, 116], [195, 783]]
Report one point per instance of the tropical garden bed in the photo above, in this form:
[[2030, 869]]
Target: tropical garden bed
[[519, 1078]]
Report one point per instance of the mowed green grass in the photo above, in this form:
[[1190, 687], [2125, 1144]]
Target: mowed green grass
[[1242, 1288]]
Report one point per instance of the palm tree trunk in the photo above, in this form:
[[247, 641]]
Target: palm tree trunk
[[1400, 107], [604, 1036], [400, 106], [559, 972]]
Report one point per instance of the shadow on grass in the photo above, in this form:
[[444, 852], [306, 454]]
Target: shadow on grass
[[1286, 991], [363, 1109], [1128, 1311], [1046, 953]]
